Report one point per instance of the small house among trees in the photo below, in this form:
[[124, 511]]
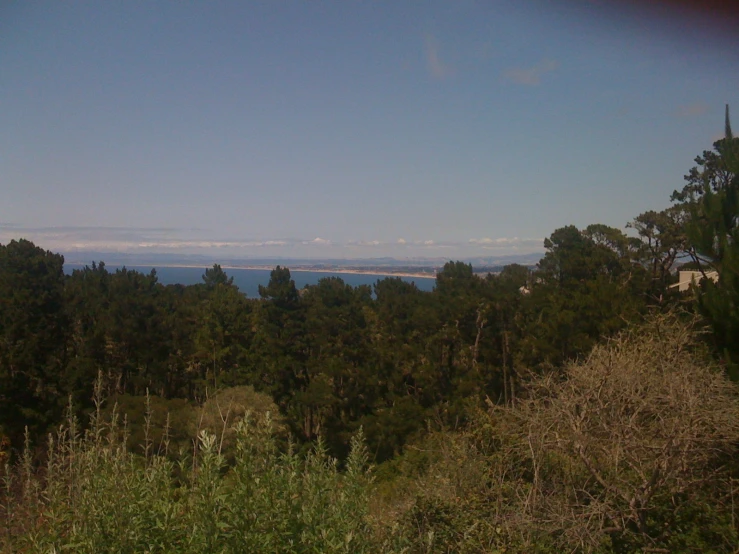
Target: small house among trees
[[689, 277]]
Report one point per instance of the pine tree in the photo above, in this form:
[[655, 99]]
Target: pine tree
[[714, 236]]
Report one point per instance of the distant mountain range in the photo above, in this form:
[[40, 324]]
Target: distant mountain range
[[164, 259]]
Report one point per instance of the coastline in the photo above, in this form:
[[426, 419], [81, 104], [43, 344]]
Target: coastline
[[346, 271], [336, 271], [354, 272]]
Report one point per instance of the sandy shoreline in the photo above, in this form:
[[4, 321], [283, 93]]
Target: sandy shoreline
[[337, 271], [341, 271]]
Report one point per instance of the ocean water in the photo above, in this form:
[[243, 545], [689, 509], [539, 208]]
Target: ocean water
[[248, 280]]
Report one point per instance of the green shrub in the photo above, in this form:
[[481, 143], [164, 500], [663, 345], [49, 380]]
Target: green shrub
[[95, 496]]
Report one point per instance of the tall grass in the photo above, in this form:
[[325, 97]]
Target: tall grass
[[94, 495]]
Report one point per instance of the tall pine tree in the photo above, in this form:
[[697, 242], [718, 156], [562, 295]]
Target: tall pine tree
[[714, 236]]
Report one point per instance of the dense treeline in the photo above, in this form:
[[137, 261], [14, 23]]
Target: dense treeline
[[332, 357], [402, 367]]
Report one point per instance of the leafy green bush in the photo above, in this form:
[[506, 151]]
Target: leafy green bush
[[223, 411], [95, 496]]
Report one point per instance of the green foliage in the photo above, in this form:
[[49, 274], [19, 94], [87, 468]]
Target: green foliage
[[586, 288], [662, 241], [216, 276], [712, 196], [223, 411], [222, 339], [96, 496], [33, 332], [333, 357], [154, 423]]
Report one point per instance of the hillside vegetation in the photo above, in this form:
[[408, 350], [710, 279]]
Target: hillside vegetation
[[584, 406]]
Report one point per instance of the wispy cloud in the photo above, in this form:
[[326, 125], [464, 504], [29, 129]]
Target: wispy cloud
[[691, 110], [365, 243], [505, 242], [119, 239], [77, 240], [317, 240], [531, 75], [435, 65]]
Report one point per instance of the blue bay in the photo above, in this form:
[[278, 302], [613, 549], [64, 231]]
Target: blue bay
[[248, 280]]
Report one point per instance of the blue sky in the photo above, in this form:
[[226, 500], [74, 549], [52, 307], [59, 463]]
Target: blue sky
[[347, 129]]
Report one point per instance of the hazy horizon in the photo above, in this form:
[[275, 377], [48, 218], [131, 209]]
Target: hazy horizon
[[87, 257]]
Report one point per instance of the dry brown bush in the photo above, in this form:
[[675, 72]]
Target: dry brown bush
[[624, 451], [642, 423]]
